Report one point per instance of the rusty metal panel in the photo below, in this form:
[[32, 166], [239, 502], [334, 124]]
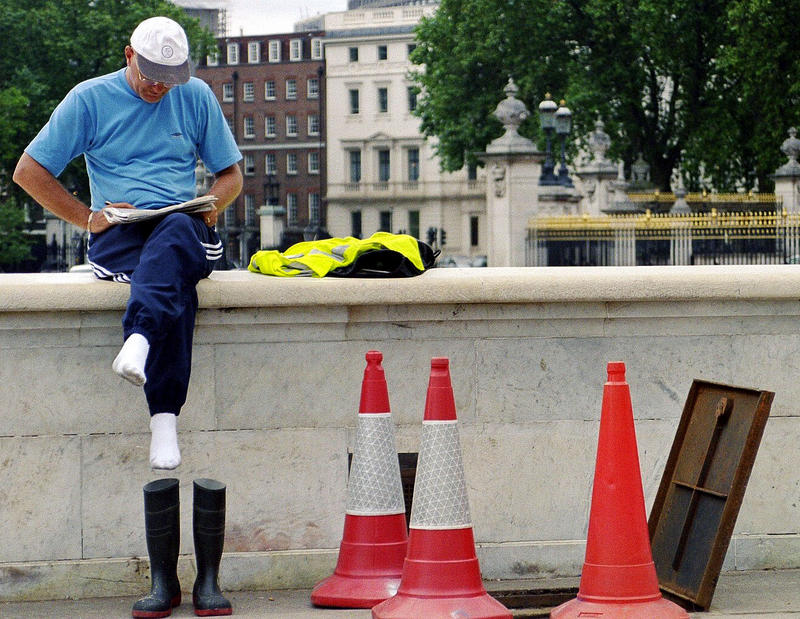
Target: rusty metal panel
[[700, 494]]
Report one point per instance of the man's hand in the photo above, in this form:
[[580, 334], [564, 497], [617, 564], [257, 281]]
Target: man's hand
[[99, 223], [210, 217]]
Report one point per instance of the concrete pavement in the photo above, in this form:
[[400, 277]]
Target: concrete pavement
[[767, 594]]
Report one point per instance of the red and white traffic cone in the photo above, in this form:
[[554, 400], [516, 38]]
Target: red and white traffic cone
[[441, 576], [375, 540], [619, 578]]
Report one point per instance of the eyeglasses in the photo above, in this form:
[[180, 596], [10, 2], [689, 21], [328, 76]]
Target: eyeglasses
[[149, 82]]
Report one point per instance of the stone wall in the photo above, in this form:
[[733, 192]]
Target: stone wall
[[275, 391]]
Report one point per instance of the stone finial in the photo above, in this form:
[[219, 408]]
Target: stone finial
[[511, 112], [640, 170], [599, 142], [790, 148], [791, 145], [680, 206]]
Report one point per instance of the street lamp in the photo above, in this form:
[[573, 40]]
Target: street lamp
[[563, 118], [547, 120]]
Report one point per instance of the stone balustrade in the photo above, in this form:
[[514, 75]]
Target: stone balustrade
[[276, 381]]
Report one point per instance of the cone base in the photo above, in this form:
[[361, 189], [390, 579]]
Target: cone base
[[654, 609], [412, 607], [339, 591]]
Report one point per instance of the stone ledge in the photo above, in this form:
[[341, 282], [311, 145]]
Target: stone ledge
[[302, 569], [81, 292]]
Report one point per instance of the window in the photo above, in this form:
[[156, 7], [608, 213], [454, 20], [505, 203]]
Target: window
[[473, 231], [383, 167], [291, 209], [229, 216], [385, 221], [291, 163], [229, 120], [274, 51], [383, 52], [413, 165], [383, 100], [249, 209], [354, 100], [233, 53], [212, 60], [313, 207], [269, 127], [270, 164], [249, 165], [410, 48], [269, 90], [413, 223], [355, 224], [355, 166], [353, 51], [227, 92], [291, 125], [248, 91], [254, 52], [312, 88], [249, 127], [291, 89], [316, 49], [412, 98], [313, 163], [295, 50], [313, 124]]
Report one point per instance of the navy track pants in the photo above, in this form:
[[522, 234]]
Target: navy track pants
[[162, 260]]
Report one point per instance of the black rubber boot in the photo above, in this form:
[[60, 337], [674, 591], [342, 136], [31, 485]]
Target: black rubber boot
[[163, 532], [209, 538]]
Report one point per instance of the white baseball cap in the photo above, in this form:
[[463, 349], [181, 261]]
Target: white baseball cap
[[162, 49]]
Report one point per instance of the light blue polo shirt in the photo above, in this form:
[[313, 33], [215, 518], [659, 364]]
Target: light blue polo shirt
[[137, 152]]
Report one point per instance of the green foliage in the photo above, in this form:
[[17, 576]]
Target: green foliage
[[14, 243], [468, 51], [708, 85]]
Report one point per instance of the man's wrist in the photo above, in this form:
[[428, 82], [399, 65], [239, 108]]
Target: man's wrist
[[89, 222]]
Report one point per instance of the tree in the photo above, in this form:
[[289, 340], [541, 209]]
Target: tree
[[14, 243], [668, 78], [759, 83], [48, 47], [467, 52]]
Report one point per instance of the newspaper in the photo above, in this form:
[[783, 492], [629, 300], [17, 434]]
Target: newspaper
[[128, 215]]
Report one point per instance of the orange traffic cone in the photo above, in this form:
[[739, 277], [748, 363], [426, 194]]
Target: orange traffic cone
[[441, 575], [375, 539], [619, 577]]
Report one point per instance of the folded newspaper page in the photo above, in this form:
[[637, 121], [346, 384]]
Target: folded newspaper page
[[127, 215]]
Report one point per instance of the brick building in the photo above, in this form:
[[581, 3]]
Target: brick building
[[271, 91]]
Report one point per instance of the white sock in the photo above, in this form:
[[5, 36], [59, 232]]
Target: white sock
[[164, 451], [131, 359]]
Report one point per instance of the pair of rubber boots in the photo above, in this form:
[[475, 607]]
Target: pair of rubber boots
[[162, 530]]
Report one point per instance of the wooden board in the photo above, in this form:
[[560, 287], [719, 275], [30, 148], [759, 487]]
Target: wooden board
[[700, 494]]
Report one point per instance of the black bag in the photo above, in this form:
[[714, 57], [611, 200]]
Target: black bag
[[387, 263]]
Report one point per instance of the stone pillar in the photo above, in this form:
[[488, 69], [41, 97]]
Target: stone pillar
[[513, 167], [271, 222], [598, 175], [787, 177]]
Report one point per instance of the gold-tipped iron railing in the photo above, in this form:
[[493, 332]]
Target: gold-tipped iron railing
[[751, 200], [714, 237]]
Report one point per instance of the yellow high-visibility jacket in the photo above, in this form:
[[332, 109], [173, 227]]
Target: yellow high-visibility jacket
[[319, 258]]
